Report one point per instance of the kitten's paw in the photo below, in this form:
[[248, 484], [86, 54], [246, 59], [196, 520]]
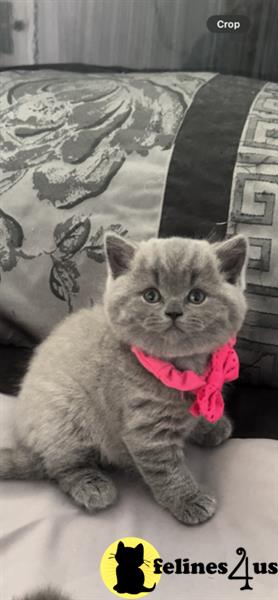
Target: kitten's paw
[[94, 495], [212, 434], [93, 490], [199, 509]]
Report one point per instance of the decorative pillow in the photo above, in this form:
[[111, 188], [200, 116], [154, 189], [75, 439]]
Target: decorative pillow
[[223, 178], [80, 154], [142, 154]]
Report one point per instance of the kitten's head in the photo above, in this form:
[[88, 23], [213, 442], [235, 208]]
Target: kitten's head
[[177, 296], [129, 556]]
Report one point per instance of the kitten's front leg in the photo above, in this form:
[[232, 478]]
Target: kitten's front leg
[[163, 467], [212, 434]]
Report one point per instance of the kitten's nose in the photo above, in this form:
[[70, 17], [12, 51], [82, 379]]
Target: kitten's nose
[[174, 315]]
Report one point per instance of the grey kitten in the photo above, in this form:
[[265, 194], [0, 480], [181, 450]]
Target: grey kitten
[[87, 403]]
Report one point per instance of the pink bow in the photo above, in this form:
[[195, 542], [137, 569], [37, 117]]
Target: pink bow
[[224, 367], [209, 403]]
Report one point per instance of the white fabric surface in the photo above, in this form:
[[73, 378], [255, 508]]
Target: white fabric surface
[[46, 539]]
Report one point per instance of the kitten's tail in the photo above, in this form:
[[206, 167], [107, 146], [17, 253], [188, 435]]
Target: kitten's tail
[[145, 589], [19, 463]]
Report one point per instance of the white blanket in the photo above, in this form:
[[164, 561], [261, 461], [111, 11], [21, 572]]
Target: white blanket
[[46, 539]]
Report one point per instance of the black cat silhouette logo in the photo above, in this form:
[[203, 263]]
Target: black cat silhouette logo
[[127, 568], [130, 578]]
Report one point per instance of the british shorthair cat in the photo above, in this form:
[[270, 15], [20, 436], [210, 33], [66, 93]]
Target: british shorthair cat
[[87, 402]]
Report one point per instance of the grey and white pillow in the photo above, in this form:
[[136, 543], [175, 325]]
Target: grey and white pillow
[[81, 154], [143, 154]]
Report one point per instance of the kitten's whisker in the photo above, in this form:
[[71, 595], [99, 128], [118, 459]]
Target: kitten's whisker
[[146, 564]]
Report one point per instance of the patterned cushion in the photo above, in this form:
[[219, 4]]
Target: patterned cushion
[[81, 154], [144, 155], [223, 178]]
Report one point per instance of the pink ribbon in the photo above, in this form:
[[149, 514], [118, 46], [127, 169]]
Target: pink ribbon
[[223, 367]]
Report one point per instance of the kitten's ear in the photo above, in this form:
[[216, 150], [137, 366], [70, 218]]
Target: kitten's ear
[[119, 254], [140, 551], [232, 255], [120, 547]]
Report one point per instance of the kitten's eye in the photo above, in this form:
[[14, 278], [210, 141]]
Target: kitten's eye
[[196, 296], [151, 295]]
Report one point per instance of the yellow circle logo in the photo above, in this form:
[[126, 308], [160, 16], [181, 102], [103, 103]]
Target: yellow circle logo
[[127, 567]]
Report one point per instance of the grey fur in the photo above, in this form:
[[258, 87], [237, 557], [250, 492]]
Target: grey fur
[[86, 403], [45, 594], [208, 434]]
